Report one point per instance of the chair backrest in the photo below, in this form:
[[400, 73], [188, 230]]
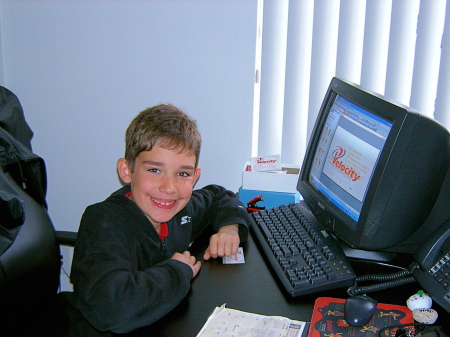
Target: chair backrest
[[29, 252], [30, 267]]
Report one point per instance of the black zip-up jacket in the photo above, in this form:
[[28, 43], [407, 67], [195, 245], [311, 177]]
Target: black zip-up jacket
[[122, 272]]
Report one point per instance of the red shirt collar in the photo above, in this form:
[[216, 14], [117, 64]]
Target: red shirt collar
[[163, 231]]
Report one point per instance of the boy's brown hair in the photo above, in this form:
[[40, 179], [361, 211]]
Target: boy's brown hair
[[166, 125]]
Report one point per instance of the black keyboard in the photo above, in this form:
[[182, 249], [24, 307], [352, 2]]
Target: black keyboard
[[302, 253]]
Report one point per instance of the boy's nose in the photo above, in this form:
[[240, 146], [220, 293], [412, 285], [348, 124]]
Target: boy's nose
[[168, 185]]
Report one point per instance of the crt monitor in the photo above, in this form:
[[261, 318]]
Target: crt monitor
[[373, 169]]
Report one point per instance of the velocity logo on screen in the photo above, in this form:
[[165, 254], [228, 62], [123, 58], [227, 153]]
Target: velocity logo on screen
[[339, 153]]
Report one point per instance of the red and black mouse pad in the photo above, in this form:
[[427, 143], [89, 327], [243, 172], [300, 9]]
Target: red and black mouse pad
[[328, 320]]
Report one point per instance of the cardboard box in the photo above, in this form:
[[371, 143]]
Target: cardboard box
[[270, 181], [270, 199]]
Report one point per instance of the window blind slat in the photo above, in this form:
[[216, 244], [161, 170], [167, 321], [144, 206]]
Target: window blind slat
[[324, 52], [401, 50], [273, 64], [427, 56], [298, 70], [350, 40], [376, 43], [257, 84], [442, 111]]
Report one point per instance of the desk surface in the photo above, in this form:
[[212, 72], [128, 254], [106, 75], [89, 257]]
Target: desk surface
[[252, 287]]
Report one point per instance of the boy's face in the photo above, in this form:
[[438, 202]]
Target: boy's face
[[162, 182]]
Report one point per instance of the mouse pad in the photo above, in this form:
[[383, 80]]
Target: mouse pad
[[328, 319]]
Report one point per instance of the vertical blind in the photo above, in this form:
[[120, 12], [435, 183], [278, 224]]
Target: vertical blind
[[399, 48]]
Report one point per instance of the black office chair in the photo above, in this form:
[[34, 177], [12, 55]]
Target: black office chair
[[30, 258]]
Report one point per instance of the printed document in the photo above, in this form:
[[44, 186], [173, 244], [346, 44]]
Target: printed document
[[234, 323]]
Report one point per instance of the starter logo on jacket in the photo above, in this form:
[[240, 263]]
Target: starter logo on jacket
[[185, 219]]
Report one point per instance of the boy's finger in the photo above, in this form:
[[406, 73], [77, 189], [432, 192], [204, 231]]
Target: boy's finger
[[213, 243], [221, 249], [207, 254], [187, 254], [229, 249]]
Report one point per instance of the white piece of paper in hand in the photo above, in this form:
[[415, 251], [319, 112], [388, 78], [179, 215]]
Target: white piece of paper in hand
[[234, 259]]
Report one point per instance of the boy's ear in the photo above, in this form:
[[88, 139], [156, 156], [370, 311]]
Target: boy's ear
[[197, 172], [124, 170]]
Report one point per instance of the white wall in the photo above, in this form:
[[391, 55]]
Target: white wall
[[83, 69]]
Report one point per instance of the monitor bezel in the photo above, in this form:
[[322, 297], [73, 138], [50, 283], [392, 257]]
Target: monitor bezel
[[341, 224]]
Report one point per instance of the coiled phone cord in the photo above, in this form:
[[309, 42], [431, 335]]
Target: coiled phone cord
[[389, 281]]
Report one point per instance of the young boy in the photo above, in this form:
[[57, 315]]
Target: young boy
[[131, 265]]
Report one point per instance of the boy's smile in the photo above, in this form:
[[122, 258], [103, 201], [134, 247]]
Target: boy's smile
[[161, 183]]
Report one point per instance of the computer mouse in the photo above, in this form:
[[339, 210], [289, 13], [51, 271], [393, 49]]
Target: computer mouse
[[358, 310]]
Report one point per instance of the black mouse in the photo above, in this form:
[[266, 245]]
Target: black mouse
[[358, 310]]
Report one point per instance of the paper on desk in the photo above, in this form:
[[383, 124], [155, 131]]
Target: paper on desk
[[232, 323]]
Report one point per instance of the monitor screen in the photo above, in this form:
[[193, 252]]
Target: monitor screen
[[373, 168], [346, 155]]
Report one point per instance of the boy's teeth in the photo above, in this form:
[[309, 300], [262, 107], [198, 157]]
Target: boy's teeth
[[163, 203]]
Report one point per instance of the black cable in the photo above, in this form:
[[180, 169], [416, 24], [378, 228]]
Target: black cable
[[422, 329], [389, 281], [353, 291], [383, 277]]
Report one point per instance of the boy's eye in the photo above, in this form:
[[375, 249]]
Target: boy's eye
[[184, 174], [154, 170]]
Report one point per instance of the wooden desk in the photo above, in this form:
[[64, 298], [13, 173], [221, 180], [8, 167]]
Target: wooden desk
[[252, 287]]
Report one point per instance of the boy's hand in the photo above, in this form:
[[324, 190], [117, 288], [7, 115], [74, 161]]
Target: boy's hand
[[224, 243], [190, 260]]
